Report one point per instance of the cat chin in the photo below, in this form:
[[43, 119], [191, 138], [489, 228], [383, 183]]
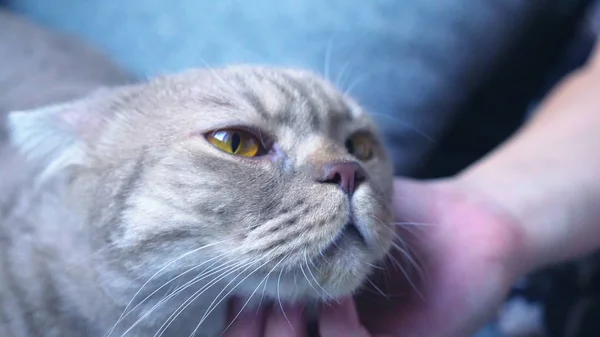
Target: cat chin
[[299, 289]]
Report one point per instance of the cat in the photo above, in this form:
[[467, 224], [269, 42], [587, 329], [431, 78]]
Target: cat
[[116, 194], [121, 207]]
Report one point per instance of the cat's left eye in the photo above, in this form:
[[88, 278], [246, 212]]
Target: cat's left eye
[[237, 142]]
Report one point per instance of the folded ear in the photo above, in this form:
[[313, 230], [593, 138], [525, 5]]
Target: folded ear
[[56, 136]]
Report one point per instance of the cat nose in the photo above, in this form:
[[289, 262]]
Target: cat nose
[[348, 175]]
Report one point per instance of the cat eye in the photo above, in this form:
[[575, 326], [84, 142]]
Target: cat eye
[[236, 142], [360, 146]]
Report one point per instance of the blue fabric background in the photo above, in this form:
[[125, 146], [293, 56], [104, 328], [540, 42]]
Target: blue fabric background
[[407, 61]]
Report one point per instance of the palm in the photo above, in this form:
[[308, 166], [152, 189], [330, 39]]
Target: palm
[[467, 250]]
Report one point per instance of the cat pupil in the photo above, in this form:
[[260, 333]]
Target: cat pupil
[[350, 146], [235, 142]]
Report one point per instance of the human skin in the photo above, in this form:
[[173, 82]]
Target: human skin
[[533, 202]]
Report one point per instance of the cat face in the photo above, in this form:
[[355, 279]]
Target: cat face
[[269, 174]]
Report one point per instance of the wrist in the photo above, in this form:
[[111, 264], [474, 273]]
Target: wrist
[[546, 176], [490, 200], [555, 216]]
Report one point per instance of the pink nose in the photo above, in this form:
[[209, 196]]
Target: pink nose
[[348, 175]]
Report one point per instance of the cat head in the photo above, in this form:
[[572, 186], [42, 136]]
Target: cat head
[[270, 174]]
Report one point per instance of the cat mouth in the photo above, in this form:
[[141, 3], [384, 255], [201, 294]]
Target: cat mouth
[[350, 233]]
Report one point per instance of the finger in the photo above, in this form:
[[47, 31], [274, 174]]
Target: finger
[[286, 321], [244, 322], [341, 320]]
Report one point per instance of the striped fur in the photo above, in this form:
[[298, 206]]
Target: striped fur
[[145, 192]]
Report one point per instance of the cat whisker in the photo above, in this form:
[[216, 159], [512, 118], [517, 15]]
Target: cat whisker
[[214, 306], [374, 266], [264, 280], [226, 268], [156, 274], [413, 260], [195, 250], [363, 76], [244, 266], [348, 90], [411, 223], [399, 238], [280, 304], [264, 289], [313, 276], [378, 289], [173, 279], [407, 255], [404, 272], [341, 74], [328, 57], [307, 279], [324, 258], [406, 125]]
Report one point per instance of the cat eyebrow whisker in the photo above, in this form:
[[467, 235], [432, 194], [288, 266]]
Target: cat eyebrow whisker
[[404, 124]]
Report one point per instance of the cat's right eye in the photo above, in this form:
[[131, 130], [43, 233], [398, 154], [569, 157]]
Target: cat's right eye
[[236, 142]]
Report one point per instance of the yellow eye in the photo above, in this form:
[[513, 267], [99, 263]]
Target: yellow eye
[[361, 147], [236, 142]]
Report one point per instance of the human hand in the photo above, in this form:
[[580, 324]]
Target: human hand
[[469, 252]]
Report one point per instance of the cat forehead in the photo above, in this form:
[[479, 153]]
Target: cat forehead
[[286, 97]]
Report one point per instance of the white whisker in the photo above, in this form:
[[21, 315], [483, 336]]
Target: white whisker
[[156, 274], [377, 288], [175, 278], [208, 312], [264, 280], [227, 267], [313, 276], [280, 304], [406, 125], [406, 275], [240, 265]]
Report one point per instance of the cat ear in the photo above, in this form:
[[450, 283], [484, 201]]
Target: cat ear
[[56, 136]]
